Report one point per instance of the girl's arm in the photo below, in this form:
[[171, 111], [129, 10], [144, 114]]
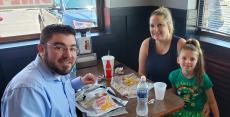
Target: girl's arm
[[212, 102], [206, 109]]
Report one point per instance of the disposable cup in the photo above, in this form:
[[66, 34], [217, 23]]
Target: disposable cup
[[108, 65], [159, 88]]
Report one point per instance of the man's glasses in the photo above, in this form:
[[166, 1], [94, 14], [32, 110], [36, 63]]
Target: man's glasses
[[62, 49]]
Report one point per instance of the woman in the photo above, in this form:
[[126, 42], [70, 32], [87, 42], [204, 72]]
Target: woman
[[158, 53]]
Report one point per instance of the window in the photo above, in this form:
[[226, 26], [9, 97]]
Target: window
[[80, 14], [214, 16], [19, 22], [83, 15]]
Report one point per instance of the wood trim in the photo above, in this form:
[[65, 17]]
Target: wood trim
[[19, 38]]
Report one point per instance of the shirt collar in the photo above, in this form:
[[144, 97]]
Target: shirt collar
[[46, 72], [182, 75], [58, 77]]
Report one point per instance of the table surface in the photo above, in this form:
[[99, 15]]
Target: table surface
[[170, 104]]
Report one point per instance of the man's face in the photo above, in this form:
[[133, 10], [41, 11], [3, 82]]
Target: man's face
[[60, 53]]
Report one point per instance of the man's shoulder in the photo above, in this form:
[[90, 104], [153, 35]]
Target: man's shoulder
[[28, 77]]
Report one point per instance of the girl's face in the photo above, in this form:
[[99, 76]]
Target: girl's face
[[187, 60], [158, 27]]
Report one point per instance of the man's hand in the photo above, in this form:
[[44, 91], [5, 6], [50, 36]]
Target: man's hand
[[206, 110], [100, 77], [88, 79]]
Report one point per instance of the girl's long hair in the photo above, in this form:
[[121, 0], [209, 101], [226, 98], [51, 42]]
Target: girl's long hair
[[199, 70]]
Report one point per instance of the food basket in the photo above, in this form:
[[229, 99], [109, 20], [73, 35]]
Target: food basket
[[95, 101], [126, 85]]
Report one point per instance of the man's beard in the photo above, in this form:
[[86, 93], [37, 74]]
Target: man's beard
[[54, 68]]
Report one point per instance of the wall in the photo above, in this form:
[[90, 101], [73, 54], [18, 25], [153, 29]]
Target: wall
[[177, 4], [130, 3]]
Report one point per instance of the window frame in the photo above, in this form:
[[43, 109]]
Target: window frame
[[100, 4]]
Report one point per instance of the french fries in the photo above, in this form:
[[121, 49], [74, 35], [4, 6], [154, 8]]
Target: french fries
[[130, 80], [108, 104]]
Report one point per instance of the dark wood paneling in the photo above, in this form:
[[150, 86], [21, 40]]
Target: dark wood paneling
[[217, 60], [179, 18], [115, 42], [218, 71], [137, 31], [127, 11]]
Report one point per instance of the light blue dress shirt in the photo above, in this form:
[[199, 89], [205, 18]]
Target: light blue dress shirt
[[37, 92]]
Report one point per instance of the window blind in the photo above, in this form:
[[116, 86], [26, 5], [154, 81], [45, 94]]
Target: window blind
[[214, 16]]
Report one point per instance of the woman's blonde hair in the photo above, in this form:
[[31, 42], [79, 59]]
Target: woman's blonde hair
[[162, 11], [194, 45]]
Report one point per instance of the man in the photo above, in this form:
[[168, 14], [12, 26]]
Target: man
[[44, 88]]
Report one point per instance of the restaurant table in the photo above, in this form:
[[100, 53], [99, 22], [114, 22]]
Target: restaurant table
[[170, 104]]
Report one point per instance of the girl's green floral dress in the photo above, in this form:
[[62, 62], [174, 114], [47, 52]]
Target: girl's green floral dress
[[193, 94]]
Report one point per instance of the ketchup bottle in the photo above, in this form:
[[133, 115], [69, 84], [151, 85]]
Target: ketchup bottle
[[108, 69]]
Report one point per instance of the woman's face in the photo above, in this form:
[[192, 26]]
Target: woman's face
[[158, 26]]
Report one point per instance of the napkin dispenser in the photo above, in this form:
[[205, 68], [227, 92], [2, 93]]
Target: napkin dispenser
[[86, 60]]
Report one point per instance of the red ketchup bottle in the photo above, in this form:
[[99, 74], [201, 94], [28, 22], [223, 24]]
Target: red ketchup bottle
[[108, 70]]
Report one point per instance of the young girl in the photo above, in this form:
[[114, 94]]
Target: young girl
[[191, 83]]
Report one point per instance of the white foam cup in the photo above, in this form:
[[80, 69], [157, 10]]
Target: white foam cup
[[159, 88]]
